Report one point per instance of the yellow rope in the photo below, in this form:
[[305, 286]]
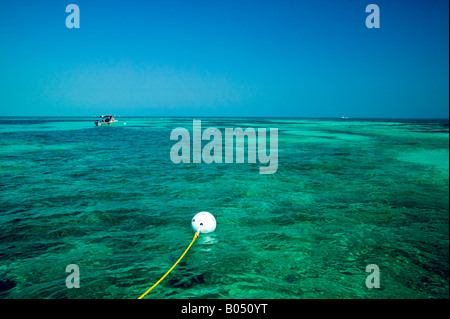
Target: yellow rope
[[195, 237]]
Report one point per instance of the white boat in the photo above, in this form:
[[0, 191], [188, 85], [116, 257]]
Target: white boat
[[106, 120]]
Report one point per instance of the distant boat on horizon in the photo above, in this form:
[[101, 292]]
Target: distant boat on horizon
[[106, 120]]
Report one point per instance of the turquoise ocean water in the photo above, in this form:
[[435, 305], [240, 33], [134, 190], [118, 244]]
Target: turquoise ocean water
[[347, 193]]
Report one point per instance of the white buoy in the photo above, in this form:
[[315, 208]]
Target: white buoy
[[205, 222]]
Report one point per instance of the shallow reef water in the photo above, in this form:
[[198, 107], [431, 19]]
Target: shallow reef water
[[347, 193]]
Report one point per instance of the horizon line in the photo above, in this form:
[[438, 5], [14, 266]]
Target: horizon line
[[211, 116]]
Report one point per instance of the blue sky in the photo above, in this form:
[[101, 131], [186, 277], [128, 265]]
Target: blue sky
[[225, 58]]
